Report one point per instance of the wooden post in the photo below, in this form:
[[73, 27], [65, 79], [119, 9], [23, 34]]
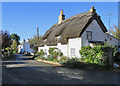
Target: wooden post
[[24, 45]]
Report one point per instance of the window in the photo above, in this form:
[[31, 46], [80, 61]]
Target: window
[[105, 40], [72, 51], [45, 51], [89, 35], [110, 38], [57, 38]]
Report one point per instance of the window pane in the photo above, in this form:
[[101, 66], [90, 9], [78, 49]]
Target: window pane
[[72, 51], [89, 35]]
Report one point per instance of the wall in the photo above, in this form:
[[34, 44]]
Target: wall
[[74, 43], [97, 33], [111, 40], [20, 47], [63, 48], [27, 48]]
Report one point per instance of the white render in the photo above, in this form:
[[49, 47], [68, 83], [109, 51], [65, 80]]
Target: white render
[[78, 42], [27, 48]]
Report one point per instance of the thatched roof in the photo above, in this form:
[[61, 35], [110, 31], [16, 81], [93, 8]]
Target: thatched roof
[[70, 28]]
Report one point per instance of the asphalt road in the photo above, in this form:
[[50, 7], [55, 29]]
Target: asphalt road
[[24, 70]]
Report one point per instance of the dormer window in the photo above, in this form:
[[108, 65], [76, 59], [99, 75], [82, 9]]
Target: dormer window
[[89, 35], [57, 38], [44, 40]]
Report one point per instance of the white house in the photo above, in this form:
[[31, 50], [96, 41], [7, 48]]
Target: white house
[[70, 34], [24, 47]]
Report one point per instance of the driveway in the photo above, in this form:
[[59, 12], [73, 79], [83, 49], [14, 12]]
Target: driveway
[[24, 70]]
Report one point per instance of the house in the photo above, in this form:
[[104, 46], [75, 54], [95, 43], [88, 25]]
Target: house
[[25, 47], [70, 34]]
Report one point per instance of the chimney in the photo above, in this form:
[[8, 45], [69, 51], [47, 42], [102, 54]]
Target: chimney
[[92, 10], [61, 17]]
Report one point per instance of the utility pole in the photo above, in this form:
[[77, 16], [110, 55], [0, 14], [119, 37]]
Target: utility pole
[[24, 45], [109, 15], [37, 38]]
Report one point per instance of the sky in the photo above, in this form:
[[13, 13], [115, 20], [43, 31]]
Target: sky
[[23, 18]]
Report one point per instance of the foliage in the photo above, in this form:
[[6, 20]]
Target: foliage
[[54, 52], [6, 39], [41, 53], [97, 55], [115, 32], [16, 38], [33, 42], [14, 45], [51, 50], [72, 62], [63, 58], [50, 57]]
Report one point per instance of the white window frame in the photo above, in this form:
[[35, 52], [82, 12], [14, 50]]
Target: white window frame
[[72, 51]]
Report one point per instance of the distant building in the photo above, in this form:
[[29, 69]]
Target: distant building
[[25, 47], [69, 35]]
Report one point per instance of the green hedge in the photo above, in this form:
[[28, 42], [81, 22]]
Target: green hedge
[[99, 54]]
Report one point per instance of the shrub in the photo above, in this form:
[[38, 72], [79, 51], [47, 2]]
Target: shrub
[[50, 57], [41, 53], [97, 55], [63, 58], [54, 53], [72, 62], [51, 50]]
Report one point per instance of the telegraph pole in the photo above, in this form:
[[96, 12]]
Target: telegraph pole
[[37, 38], [24, 45], [109, 15]]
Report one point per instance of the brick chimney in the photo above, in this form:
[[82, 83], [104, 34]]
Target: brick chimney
[[61, 17], [92, 10]]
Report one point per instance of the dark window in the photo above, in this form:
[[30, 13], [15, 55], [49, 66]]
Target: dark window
[[105, 40], [89, 35], [110, 38]]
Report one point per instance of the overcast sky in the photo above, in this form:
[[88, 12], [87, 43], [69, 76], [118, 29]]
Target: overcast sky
[[23, 18]]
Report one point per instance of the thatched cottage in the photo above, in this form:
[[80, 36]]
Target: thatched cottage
[[70, 34]]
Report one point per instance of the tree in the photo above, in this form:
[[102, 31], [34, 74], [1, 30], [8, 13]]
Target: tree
[[16, 38], [14, 45], [6, 39], [33, 42], [115, 31]]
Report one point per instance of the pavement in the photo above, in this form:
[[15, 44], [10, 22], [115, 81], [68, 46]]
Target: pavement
[[24, 70]]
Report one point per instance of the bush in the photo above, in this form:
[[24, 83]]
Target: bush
[[41, 53], [50, 57], [99, 55], [63, 58], [54, 53], [72, 62]]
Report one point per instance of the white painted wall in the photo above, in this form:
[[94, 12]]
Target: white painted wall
[[27, 48], [97, 33], [63, 48], [74, 43], [20, 47]]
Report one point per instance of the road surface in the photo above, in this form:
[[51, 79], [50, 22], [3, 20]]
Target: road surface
[[24, 70]]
